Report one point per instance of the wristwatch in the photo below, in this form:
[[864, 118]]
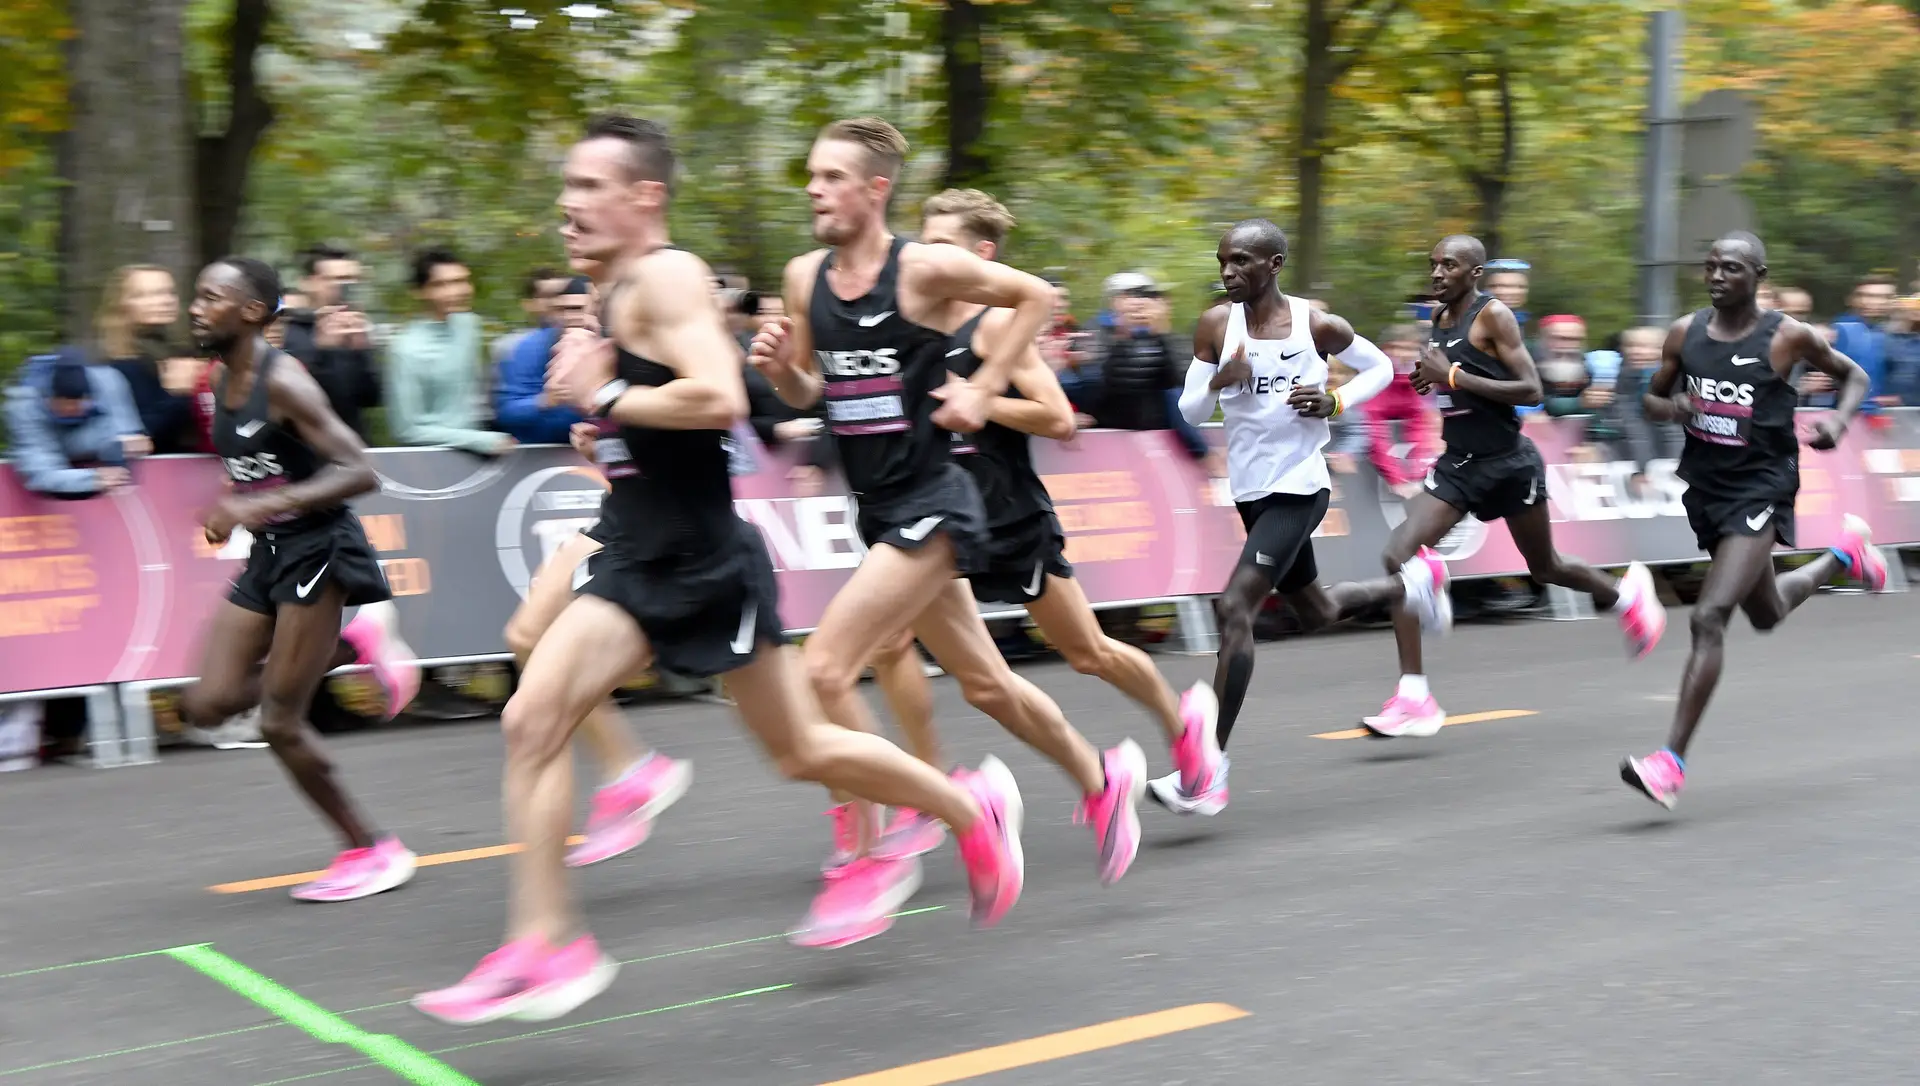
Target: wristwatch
[[607, 395]]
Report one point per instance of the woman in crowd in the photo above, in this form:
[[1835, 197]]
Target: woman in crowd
[[136, 330]]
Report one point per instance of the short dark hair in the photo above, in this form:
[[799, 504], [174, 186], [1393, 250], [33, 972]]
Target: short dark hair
[[1878, 280], [536, 277], [310, 260], [579, 284], [1751, 241], [649, 151], [429, 259], [1477, 253], [263, 283], [1271, 238]]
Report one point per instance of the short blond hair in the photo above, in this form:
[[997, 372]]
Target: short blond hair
[[1653, 336], [982, 216], [886, 148]]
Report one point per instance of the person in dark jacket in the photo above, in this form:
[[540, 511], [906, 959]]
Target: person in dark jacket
[[1142, 366], [73, 426], [333, 340], [134, 332]]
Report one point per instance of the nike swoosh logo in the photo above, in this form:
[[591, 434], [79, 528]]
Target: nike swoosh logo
[[742, 642], [1759, 518], [1739, 361], [1533, 489], [1295, 354], [958, 350], [1039, 570], [1453, 343], [920, 529], [869, 322], [250, 428], [301, 590]]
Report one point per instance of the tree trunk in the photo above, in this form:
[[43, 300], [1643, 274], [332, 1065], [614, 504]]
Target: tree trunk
[[222, 160], [964, 60], [1318, 73], [1492, 188], [127, 161]]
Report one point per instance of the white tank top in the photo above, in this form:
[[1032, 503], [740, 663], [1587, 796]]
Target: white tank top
[[1271, 448]]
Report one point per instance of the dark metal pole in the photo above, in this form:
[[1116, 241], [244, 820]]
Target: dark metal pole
[[1659, 194]]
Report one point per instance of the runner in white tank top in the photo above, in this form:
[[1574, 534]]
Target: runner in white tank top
[[1262, 357]]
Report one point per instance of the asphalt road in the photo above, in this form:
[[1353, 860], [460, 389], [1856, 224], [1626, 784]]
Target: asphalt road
[[1486, 906]]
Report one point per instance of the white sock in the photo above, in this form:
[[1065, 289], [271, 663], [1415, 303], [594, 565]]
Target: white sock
[[1629, 591], [1414, 687]]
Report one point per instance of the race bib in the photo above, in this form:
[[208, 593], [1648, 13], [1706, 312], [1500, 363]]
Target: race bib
[[873, 405]]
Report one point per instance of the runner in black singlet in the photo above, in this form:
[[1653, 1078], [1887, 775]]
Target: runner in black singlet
[[1724, 375], [684, 581], [640, 784], [293, 466], [871, 319], [1479, 371], [1026, 551]]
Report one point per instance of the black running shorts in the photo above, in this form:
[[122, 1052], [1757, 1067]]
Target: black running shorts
[[1714, 518], [701, 617], [949, 504], [1490, 488], [1280, 531], [295, 568], [1020, 558]]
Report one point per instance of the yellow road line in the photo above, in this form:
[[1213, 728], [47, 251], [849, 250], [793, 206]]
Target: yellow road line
[[1463, 718], [432, 860], [1054, 1046]]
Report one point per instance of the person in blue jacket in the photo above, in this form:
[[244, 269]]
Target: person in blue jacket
[[521, 405], [72, 426]]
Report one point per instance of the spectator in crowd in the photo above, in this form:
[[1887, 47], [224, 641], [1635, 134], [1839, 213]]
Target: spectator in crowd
[[1419, 423], [521, 404], [1623, 422], [1141, 367], [542, 286], [1510, 281], [433, 365], [134, 331], [1564, 375], [333, 339], [73, 426], [1860, 334], [1903, 350], [291, 302]]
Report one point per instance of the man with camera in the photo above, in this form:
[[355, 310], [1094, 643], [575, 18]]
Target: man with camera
[[333, 339]]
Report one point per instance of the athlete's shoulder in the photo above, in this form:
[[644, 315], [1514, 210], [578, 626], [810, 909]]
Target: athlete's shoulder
[[1331, 332], [670, 262], [803, 269]]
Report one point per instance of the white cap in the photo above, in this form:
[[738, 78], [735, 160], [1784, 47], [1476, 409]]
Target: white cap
[[1126, 282]]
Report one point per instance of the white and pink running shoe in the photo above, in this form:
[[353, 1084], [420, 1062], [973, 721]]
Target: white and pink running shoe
[[1643, 618], [1426, 578], [622, 816], [858, 902], [1863, 559], [374, 634], [1659, 776], [361, 872], [1407, 718], [526, 980], [1196, 754], [990, 851], [1114, 813], [910, 834]]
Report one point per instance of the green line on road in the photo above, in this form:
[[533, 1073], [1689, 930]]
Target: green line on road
[[96, 961], [390, 1052]]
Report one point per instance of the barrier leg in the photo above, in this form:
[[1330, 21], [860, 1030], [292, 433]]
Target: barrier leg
[[104, 737], [1199, 634], [1566, 605], [139, 741]]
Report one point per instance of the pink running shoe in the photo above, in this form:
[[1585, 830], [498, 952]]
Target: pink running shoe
[[1166, 791], [858, 902], [1426, 578], [1196, 754], [525, 980], [1659, 776], [1115, 812], [910, 834], [846, 838], [623, 812], [1406, 718], [361, 872], [1863, 559], [990, 851], [1643, 618], [374, 634]]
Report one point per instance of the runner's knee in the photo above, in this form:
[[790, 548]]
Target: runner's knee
[[1709, 622], [1095, 659], [206, 707], [830, 673], [993, 695], [529, 730]]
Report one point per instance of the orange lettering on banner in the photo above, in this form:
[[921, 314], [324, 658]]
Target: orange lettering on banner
[[37, 618], [408, 576], [48, 573], [1815, 479], [1091, 486], [54, 532], [1812, 504], [1333, 524], [1104, 516], [1112, 547], [386, 531]]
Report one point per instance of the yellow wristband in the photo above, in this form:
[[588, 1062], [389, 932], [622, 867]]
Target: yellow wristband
[[1451, 374], [1338, 404]]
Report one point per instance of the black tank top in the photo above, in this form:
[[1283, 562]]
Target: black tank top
[[260, 454], [1470, 423], [1740, 437], [671, 496], [998, 457], [879, 367]]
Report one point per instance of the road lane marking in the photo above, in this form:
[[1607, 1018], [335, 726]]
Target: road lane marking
[[1463, 718], [430, 860], [1054, 1046]]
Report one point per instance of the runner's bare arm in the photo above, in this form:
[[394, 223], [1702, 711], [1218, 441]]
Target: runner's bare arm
[[1661, 403], [948, 271], [1797, 342], [672, 309], [1495, 328], [295, 400], [783, 349], [1045, 410]]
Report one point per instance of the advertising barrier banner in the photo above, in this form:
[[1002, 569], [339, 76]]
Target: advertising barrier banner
[[118, 588]]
